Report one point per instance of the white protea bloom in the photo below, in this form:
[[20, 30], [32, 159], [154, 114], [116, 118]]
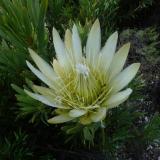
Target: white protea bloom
[[83, 86]]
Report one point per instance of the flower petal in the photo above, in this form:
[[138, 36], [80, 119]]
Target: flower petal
[[45, 68], [44, 91], [40, 98], [99, 115], [59, 48], [119, 60], [77, 47], [69, 49], [60, 119], [123, 78], [68, 43], [60, 71], [40, 75], [118, 98], [77, 112], [93, 43], [108, 51]]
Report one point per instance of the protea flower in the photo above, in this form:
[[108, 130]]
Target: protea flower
[[83, 85]]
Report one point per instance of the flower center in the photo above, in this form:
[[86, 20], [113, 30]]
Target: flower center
[[82, 69]]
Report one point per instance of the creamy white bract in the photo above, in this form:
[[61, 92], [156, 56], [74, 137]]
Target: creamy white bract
[[83, 85]]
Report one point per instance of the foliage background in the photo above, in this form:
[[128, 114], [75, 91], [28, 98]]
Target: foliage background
[[132, 131]]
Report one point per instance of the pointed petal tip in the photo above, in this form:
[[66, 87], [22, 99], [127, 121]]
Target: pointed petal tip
[[53, 29], [74, 28], [125, 48], [67, 32], [136, 66], [95, 27], [59, 119], [50, 121], [127, 45], [97, 23], [31, 51], [27, 62], [115, 34], [97, 20], [129, 91], [113, 37], [54, 32]]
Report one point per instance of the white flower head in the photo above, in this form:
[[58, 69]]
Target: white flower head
[[82, 87]]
